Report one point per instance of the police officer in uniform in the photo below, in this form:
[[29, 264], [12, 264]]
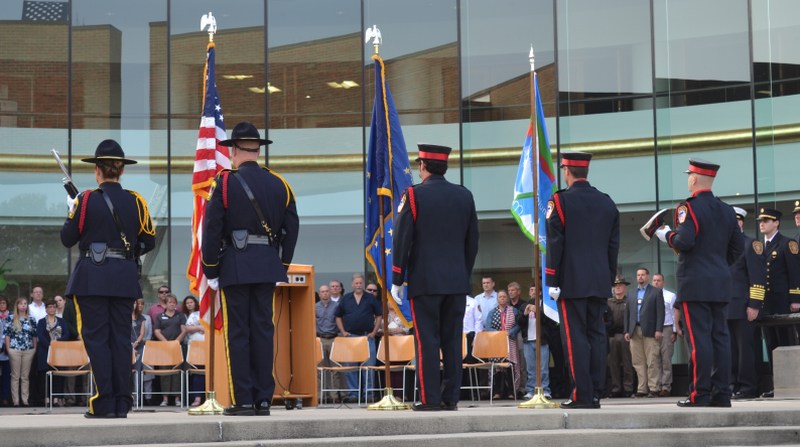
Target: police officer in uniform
[[435, 245], [748, 274], [249, 235], [582, 249], [708, 240], [112, 228]]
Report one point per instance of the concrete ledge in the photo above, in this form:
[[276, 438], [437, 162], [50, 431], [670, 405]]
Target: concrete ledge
[[786, 371]]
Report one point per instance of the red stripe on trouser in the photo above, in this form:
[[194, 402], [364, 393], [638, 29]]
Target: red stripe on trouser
[[419, 354], [693, 394], [569, 351]]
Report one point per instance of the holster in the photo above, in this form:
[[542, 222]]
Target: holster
[[97, 252], [239, 239]]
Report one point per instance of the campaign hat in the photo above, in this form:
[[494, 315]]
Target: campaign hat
[[768, 213], [245, 131], [702, 167], [109, 150], [433, 152], [620, 280], [577, 159]]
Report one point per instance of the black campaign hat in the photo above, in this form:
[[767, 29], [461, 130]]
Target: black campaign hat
[[109, 150], [620, 280], [702, 167], [577, 159], [245, 131], [433, 152], [767, 213]]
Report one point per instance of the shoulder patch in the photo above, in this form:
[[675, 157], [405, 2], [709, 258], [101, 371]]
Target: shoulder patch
[[550, 207], [402, 203], [681, 213], [758, 247], [793, 247]]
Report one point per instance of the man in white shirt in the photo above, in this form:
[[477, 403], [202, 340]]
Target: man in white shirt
[[473, 323], [37, 308], [336, 290], [486, 300], [668, 337]]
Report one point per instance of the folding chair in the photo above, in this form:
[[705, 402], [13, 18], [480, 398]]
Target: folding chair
[[345, 350], [196, 356], [68, 359], [491, 348], [164, 354], [401, 353]]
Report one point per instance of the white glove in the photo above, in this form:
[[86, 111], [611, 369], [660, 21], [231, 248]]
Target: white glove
[[662, 233], [213, 283], [71, 203], [554, 292], [397, 294]]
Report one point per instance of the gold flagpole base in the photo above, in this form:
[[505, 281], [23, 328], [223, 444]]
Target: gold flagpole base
[[538, 401], [388, 402], [209, 407]]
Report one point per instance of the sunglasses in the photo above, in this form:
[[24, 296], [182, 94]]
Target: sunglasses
[[372, 290], [163, 291]]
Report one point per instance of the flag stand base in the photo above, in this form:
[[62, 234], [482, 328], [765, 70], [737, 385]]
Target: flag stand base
[[388, 402], [538, 401], [209, 407]]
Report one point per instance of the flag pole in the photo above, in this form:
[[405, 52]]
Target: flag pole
[[210, 406], [388, 402], [538, 400]]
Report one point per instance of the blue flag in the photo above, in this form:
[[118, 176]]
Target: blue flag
[[388, 176], [522, 206]]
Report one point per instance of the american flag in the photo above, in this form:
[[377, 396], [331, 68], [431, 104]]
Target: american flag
[[38, 11], [210, 158]]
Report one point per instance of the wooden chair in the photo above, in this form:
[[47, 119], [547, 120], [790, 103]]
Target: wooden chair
[[196, 359], [353, 351], [68, 359], [166, 355], [401, 353], [491, 348]]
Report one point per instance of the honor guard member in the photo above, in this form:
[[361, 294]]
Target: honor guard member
[[435, 245], [112, 228], [582, 249], [708, 241], [249, 234], [796, 213], [783, 280], [748, 276]]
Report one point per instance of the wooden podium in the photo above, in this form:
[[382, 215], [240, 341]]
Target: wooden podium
[[295, 334]]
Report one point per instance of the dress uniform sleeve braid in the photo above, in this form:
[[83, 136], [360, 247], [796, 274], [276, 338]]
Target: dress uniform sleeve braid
[[145, 221]]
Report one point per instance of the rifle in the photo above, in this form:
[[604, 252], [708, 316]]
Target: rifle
[[67, 180]]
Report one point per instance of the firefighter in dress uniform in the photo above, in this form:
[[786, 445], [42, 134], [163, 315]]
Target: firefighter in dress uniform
[[582, 249], [708, 241], [434, 248], [249, 235], [112, 228]]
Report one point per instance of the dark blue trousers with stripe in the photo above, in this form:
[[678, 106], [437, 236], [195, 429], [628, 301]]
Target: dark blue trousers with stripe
[[709, 351], [583, 334]]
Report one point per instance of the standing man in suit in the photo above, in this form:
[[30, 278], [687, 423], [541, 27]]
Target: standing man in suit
[[435, 245], [708, 240], [249, 234], [582, 249], [644, 322]]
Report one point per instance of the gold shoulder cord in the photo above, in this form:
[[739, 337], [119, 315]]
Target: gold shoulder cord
[[145, 222], [289, 191]]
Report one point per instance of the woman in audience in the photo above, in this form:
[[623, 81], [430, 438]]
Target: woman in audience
[[60, 303], [170, 325], [5, 373], [504, 318], [48, 329], [194, 331], [20, 341], [147, 386], [138, 331]]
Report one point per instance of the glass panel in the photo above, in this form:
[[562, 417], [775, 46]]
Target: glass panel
[[33, 119]]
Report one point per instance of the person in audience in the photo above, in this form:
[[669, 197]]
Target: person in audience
[[60, 303], [325, 310], [137, 334], [504, 318], [147, 385], [48, 329], [194, 331], [527, 324], [620, 364], [20, 341], [5, 369], [170, 325]]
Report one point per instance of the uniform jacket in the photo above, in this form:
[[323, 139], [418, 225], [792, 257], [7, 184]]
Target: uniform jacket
[[708, 239], [582, 242], [651, 317], [783, 274], [616, 317], [748, 274], [435, 238], [91, 222], [230, 209]]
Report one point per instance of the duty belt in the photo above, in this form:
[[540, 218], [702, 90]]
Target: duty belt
[[253, 239], [115, 253]]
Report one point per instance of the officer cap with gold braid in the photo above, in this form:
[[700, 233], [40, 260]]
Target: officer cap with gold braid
[[767, 213]]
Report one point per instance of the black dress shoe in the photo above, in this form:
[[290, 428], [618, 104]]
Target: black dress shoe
[[740, 396], [720, 403], [90, 415], [595, 402], [768, 394], [571, 404], [449, 407], [239, 410], [262, 409], [426, 407], [688, 403]]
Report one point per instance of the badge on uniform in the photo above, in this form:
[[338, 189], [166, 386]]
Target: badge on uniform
[[402, 203], [681, 212], [758, 247], [550, 206], [793, 247]]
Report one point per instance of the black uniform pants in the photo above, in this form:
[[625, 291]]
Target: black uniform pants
[[583, 333], [105, 326], [709, 351], [248, 329], [745, 355], [438, 323]]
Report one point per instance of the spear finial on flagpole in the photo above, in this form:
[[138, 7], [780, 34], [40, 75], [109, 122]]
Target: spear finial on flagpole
[[208, 20], [375, 34], [530, 57]]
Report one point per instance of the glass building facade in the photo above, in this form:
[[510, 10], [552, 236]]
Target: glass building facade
[[643, 85]]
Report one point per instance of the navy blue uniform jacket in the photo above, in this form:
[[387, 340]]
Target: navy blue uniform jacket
[[435, 238], [114, 277], [749, 276], [709, 241], [230, 209], [582, 241], [783, 274]]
